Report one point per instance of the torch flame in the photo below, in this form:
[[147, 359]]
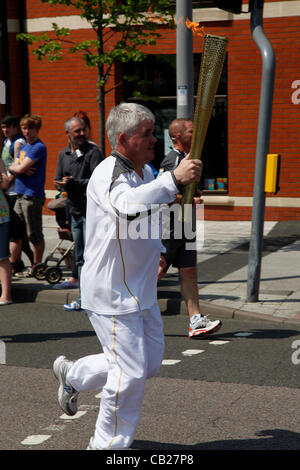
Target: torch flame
[[195, 27]]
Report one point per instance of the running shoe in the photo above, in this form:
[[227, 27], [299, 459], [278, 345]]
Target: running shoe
[[26, 273], [73, 306], [67, 395], [203, 326]]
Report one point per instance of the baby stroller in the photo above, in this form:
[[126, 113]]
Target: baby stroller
[[63, 251]]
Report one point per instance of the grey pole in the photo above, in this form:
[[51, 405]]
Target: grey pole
[[262, 149], [184, 60]]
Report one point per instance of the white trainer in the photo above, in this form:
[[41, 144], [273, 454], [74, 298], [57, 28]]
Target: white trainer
[[67, 395], [203, 326]]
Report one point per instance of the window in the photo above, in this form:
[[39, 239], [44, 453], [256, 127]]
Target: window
[[152, 82]]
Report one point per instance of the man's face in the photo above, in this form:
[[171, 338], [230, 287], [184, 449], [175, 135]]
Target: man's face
[[140, 146], [77, 134], [186, 137], [9, 131], [30, 133]]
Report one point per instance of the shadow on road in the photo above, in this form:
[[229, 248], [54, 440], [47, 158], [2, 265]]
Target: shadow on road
[[42, 337], [269, 439]]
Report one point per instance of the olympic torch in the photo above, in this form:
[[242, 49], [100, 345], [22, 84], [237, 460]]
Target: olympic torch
[[213, 56]]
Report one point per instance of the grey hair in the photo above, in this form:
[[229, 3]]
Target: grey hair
[[125, 118], [69, 121]]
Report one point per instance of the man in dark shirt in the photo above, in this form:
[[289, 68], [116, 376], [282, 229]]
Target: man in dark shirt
[[75, 166]]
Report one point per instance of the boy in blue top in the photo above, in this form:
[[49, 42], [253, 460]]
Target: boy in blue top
[[30, 171]]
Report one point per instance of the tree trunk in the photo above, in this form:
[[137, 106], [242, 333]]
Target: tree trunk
[[101, 84], [101, 113]]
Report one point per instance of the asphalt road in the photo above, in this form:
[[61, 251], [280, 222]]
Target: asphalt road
[[235, 390]]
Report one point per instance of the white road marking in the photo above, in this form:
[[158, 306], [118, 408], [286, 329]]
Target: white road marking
[[35, 440], [40, 438], [192, 352], [170, 362], [88, 407], [2, 352], [78, 415], [218, 341], [55, 427]]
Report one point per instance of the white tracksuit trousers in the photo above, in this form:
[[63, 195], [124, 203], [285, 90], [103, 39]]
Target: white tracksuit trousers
[[133, 346]]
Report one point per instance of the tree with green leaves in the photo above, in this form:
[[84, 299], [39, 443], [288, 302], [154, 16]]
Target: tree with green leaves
[[122, 28]]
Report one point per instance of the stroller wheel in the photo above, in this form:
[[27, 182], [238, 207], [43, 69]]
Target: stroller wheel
[[53, 275], [39, 271]]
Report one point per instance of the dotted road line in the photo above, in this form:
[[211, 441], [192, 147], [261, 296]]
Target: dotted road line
[[37, 439], [191, 352]]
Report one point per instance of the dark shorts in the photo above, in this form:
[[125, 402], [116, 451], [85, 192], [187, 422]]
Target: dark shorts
[[181, 243], [4, 244], [17, 225], [178, 255], [29, 210]]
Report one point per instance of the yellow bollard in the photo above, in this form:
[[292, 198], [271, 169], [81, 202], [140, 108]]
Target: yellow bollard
[[272, 167]]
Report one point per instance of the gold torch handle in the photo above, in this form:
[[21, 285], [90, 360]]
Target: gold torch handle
[[213, 56]]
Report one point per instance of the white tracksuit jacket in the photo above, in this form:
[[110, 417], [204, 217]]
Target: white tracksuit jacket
[[120, 269]]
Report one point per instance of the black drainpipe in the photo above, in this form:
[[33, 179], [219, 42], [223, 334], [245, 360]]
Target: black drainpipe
[[5, 56], [24, 59]]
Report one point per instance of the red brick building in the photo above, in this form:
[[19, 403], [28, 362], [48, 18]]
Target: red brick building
[[56, 90]]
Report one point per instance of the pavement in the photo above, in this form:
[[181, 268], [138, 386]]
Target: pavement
[[223, 250]]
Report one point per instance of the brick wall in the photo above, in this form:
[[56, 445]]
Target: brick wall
[[59, 89], [37, 9], [245, 213], [244, 76]]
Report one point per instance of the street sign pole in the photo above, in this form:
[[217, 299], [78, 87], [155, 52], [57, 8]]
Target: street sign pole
[[262, 148], [184, 60]]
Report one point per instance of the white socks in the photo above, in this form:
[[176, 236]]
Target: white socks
[[195, 318]]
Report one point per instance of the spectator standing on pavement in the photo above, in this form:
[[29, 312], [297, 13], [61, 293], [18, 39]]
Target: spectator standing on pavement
[[5, 267], [30, 171], [72, 281], [177, 254], [119, 279], [75, 165], [13, 142]]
